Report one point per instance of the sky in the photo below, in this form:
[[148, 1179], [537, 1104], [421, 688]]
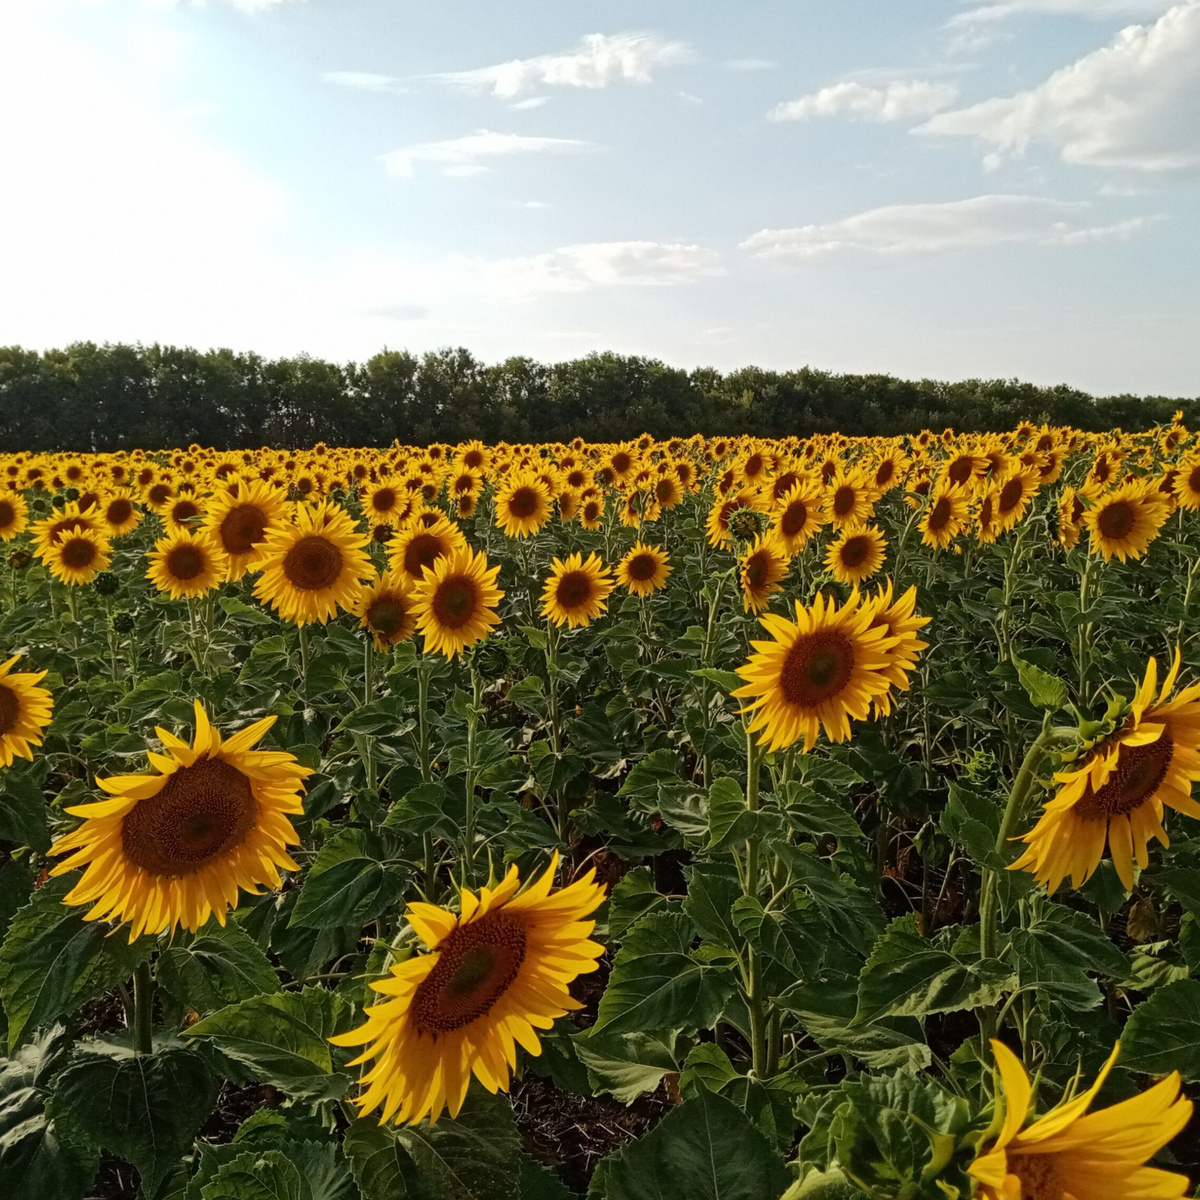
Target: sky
[[944, 189]]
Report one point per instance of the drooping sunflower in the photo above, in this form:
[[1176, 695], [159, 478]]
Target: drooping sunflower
[[1187, 488], [900, 621], [78, 557], [14, 516], [239, 521], [385, 607], [764, 567], [496, 972], [455, 601], [171, 848], [1068, 518], [798, 515], [418, 546], [1014, 496], [1070, 1153], [25, 710], [644, 569], [857, 555], [823, 669], [184, 564], [312, 564], [1118, 792], [945, 518], [522, 504], [576, 591]]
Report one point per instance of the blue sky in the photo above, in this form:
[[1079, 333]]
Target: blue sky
[[929, 188]]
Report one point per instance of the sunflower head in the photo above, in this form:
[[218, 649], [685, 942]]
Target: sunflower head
[[644, 570], [764, 567], [14, 515], [455, 601], [577, 591], [522, 504], [857, 554], [238, 521], [77, 557], [184, 564], [385, 609], [418, 546], [25, 710]]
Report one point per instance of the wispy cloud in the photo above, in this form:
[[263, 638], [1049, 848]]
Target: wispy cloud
[[897, 101], [364, 81], [598, 61], [914, 230], [1002, 10], [467, 155], [750, 64], [1131, 104]]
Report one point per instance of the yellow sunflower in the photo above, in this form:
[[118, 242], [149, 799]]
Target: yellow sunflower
[[522, 504], [798, 515], [849, 500], [945, 518], [25, 711], [78, 557], [1014, 496], [764, 567], [857, 555], [644, 569], [1123, 522], [576, 590], [591, 512], [822, 669], [419, 546], [455, 601], [496, 972], [239, 521], [1187, 488], [385, 607], [185, 565], [171, 848], [119, 512], [381, 501], [1068, 518], [14, 516], [1118, 793], [900, 622], [722, 511], [313, 564], [1071, 1154], [183, 512]]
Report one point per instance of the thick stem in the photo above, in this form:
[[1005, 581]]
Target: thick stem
[[143, 1008], [472, 727], [1084, 631], [709, 648], [755, 1000], [303, 654], [426, 771], [367, 746]]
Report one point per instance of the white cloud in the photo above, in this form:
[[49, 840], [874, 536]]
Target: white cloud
[[908, 230], [598, 61], [1001, 10], [462, 155], [529, 102], [364, 81], [1132, 104], [897, 101], [750, 64]]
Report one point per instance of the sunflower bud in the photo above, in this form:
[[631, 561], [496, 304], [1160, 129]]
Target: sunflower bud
[[746, 524], [122, 622], [20, 559], [107, 584]]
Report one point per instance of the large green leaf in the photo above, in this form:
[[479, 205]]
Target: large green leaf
[[657, 985], [220, 965], [144, 1107], [1163, 1035], [706, 1149], [625, 1065], [348, 884], [23, 812], [52, 960], [281, 1039], [265, 1175]]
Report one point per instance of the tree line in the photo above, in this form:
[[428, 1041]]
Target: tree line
[[90, 397]]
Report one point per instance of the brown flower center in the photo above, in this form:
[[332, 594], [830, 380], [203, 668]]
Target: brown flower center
[[817, 667], [473, 459], [1039, 1175], [1010, 495], [158, 493], [642, 567], [477, 964], [184, 510], [591, 511], [1193, 480], [523, 503], [185, 562], [242, 528], [455, 601], [202, 812], [574, 590], [960, 470], [855, 550], [313, 563], [884, 472], [421, 552], [664, 490], [8, 514], [386, 615], [1116, 519], [621, 462], [119, 511], [843, 500], [10, 710], [794, 518], [1139, 772], [79, 553], [384, 500], [756, 570], [939, 515]]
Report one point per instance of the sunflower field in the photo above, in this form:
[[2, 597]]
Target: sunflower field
[[724, 818]]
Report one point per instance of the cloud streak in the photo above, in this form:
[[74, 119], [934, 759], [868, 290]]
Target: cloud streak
[[897, 101], [468, 155]]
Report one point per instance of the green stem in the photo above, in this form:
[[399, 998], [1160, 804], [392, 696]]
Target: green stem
[[143, 1008], [368, 753], [472, 727], [1084, 631], [709, 648], [426, 773], [303, 655], [755, 1000], [560, 801]]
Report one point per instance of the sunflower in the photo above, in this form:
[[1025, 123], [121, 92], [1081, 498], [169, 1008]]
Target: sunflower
[[25, 711], [722, 511], [764, 567], [644, 569], [119, 513], [1072, 1153], [522, 504], [798, 515], [239, 520], [172, 848], [1124, 522], [591, 512], [899, 621], [313, 564], [1069, 518], [576, 591], [945, 518], [848, 500], [50, 532], [184, 564], [496, 972], [419, 546], [385, 607], [857, 555], [183, 512], [455, 601], [822, 669], [1118, 793], [987, 528], [1013, 498], [14, 516], [79, 557], [380, 502], [1187, 488]]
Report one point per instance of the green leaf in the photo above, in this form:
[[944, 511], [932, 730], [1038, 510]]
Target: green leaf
[[658, 986], [144, 1107], [1044, 689], [625, 1066], [423, 810], [539, 1183], [712, 890], [281, 1040], [782, 937], [1163, 1035], [347, 884], [810, 812], [218, 966], [725, 680], [24, 816], [706, 1149], [830, 1184], [265, 1175], [52, 961], [972, 819], [36, 1161], [634, 896]]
